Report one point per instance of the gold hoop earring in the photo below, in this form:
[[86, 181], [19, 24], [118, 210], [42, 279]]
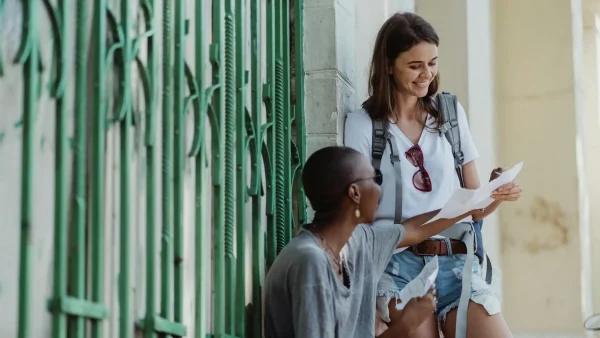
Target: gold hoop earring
[[357, 212]]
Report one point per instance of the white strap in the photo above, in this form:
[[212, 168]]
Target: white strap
[[395, 158], [463, 232]]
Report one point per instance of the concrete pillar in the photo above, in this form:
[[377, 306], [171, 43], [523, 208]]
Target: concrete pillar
[[329, 63], [591, 249], [539, 57], [466, 69], [338, 48]]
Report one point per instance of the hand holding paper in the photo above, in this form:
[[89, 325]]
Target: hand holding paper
[[465, 200], [419, 286]]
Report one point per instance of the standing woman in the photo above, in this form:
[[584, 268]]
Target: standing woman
[[403, 89]]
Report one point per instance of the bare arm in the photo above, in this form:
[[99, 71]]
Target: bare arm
[[417, 233], [471, 178]]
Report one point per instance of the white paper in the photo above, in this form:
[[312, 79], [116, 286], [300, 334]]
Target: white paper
[[465, 200], [419, 286]]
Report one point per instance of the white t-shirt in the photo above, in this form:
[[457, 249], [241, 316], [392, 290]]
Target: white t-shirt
[[438, 161]]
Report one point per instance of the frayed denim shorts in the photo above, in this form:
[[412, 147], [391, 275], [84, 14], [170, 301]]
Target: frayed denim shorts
[[405, 266]]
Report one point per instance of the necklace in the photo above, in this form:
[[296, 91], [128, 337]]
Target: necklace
[[337, 259]]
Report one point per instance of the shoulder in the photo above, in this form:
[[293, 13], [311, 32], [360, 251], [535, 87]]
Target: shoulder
[[302, 257], [358, 120]]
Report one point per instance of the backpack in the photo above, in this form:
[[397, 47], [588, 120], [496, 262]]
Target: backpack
[[448, 105]]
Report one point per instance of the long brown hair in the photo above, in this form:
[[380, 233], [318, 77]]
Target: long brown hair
[[398, 34]]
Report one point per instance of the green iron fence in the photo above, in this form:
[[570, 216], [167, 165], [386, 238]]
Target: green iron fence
[[177, 142]]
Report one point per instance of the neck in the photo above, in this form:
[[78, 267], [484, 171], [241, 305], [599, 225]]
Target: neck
[[338, 232], [406, 106]]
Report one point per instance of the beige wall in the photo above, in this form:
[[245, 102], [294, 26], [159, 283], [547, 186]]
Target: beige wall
[[592, 147], [527, 74], [540, 104]]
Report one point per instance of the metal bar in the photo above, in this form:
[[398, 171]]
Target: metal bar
[[240, 180], [280, 183], [229, 164], [218, 148], [200, 258], [167, 175], [300, 115], [151, 112], [163, 326], [59, 319], [30, 92], [287, 118], [78, 308], [269, 149], [97, 165], [125, 162], [78, 234], [255, 158], [178, 158]]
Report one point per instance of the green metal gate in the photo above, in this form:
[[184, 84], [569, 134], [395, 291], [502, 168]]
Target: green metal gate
[[194, 99]]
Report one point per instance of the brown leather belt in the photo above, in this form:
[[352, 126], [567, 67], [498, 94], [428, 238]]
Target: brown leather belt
[[433, 247]]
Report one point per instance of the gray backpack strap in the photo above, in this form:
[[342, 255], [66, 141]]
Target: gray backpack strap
[[448, 105], [381, 136], [378, 143], [463, 232]]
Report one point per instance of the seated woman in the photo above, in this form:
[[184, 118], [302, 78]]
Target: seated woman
[[324, 282]]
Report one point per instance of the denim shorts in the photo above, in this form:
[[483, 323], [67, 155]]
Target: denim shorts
[[405, 266]]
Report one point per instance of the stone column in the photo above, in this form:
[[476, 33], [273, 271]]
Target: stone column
[[339, 39], [590, 250], [329, 63], [539, 58]]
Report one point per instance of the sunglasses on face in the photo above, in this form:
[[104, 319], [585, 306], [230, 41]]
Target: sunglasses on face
[[377, 178]]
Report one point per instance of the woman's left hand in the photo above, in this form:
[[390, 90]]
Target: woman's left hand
[[509, 192]]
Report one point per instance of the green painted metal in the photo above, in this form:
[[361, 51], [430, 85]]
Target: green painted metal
[[217, 118], [241, 194], [199, 153], [77, 269], [287, 121], [299, 115], [28, 55], [78, 307], [167, 169], [178, 160], [125, 120], [248, 167], [268, 151], [99, 119], [230, 114], [150, 72], [281, 214], [57, 92], [254, 131]]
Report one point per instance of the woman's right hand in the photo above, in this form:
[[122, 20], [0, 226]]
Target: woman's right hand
[[416, 311]]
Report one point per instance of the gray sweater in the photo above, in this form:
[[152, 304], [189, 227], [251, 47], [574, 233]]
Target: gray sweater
[[303, 297]]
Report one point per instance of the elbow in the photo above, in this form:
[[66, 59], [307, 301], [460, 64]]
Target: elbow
[[409, 239]]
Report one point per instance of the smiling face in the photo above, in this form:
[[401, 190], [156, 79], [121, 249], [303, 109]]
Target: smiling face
[[414, 69]]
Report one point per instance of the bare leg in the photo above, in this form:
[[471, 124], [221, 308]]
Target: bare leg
[[479, 324], [428, 329]]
